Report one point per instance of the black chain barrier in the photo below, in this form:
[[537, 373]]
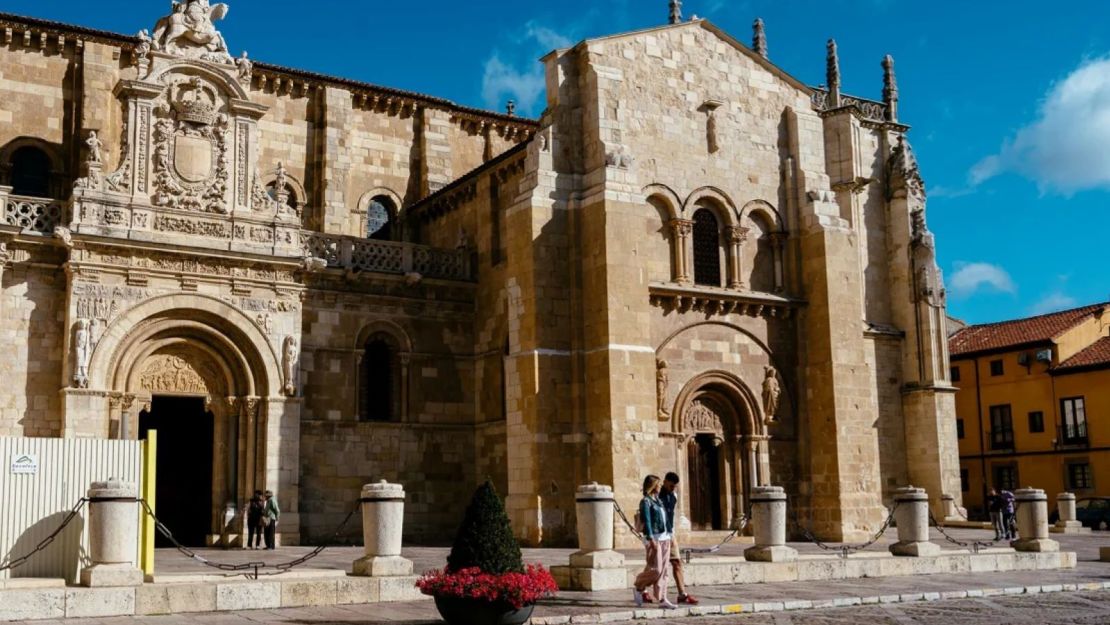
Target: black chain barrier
[[741, 523], [45, 542], [250, 570], [844, 549], [974, 545], [631, 527]]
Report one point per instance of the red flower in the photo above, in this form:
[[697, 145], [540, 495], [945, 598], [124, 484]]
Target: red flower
[[515, 589]]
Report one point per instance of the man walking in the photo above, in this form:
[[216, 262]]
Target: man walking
[[669, 498]]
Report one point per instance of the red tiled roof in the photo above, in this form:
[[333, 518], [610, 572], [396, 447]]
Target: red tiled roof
[[1095, 354], [993, 336]]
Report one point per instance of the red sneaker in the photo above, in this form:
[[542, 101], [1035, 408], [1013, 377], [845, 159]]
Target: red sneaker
[[646, 596], [687, 599]]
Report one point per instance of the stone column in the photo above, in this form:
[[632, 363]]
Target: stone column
[[680, 235], [383, 515], [113, 535], [736, 236], [1067, 523], [769, 519], [595, 566], [912, 518], [1032, 521]]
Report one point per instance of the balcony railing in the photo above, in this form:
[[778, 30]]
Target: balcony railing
[[1002, 440], [1072, 434], [343, 252], [35, 214]]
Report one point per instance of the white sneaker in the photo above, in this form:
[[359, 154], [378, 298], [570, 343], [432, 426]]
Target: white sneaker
[[667, 605], [637, 598]]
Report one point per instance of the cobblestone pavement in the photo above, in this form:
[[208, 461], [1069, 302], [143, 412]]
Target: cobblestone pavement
[[1077, 608]]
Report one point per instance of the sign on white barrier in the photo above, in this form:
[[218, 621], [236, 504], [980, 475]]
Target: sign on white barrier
[[25, 464]]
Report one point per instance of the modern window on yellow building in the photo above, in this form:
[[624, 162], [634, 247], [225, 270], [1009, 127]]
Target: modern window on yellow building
[[1033, 407]]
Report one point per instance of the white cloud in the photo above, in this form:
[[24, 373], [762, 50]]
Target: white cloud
[[546, 37], [1053, 302], [502, 80], [1064, 150], [521, 79], [971, 277]]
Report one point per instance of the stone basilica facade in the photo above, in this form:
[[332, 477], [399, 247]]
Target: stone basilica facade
[[692, 261]]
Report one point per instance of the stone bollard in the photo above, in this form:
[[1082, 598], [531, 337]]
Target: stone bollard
[[1067, 523], [113, 535], [1032, 521], [769, 522], [595, 566], [383, 516], [912, 518], [952, 512]]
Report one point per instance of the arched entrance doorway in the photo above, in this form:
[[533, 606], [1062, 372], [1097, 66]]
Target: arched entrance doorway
[[725, 449], [198, 375]]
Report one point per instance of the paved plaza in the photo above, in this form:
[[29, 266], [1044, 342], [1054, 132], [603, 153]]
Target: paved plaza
[[1062, 596]]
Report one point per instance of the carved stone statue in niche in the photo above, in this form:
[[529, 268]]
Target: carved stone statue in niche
[[82, 351], [771, 393], [661, 381], [930, 285], [289, 365], [95, 145], [189, 30]]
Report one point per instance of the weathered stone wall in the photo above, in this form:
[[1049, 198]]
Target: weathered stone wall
[[435, 464], [32, 309]]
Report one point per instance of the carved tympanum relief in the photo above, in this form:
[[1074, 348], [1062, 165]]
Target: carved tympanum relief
[[179, 371], [700, 418]]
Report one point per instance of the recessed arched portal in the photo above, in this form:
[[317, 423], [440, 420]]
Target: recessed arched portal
[[724, 445], [200, 372]]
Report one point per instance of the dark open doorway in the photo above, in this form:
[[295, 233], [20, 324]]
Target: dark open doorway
[[184, 484], [705, 482]]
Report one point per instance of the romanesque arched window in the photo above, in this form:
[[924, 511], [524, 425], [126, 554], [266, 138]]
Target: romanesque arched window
[[380, 213], [707, 248], [379, 373], [30, 167]]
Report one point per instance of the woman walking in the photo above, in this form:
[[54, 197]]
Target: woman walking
[[657, 541], [254, 520]]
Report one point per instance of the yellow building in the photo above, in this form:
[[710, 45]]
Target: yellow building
[[1032, 405]]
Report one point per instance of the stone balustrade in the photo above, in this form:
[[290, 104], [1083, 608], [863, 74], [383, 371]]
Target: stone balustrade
[[355, 254], [32, 214]]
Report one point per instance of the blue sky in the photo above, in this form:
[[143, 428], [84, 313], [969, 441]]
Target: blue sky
[[1009, 101]]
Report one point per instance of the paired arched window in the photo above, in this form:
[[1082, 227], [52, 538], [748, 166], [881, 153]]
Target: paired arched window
[[30, 172], [380, 217], [707, 248], [379, 380]]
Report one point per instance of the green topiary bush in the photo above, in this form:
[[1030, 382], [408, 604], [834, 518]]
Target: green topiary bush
[[485, 538]]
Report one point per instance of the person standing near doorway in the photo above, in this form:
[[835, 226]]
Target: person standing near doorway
[[254, 520], [1008, 510], [669, 498], [270, 514]]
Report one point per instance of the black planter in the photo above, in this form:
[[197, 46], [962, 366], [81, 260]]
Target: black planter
[[458, 611]]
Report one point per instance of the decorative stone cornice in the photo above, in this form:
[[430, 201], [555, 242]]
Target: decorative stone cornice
[[714, 301]]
